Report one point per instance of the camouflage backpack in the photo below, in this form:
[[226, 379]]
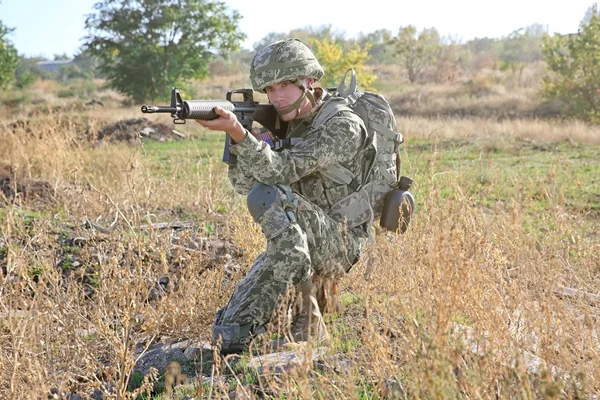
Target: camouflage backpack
[[380, 122]]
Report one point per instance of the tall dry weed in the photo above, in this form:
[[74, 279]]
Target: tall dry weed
[[462, 305]]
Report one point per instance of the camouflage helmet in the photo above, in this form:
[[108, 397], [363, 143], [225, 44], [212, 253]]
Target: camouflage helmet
[[287, 59]]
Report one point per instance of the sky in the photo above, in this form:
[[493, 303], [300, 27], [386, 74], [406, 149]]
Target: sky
[[48, 27]]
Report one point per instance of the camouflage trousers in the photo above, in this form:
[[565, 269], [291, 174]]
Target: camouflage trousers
[[302, 241]]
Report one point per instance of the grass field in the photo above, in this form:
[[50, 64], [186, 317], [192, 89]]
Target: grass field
[[492, 293]]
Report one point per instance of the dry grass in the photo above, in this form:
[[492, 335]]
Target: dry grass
[[494, 131], [461, 306]]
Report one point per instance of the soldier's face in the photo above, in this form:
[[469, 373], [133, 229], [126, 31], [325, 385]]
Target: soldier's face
[[283, 95]]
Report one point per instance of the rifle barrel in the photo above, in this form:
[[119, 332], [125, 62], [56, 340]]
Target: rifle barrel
[[158, 109]]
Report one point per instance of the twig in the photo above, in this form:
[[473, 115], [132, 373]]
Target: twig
[[167, 225], [591, 298], [116, 207], [98, 227], [236, 378], [212, 381]]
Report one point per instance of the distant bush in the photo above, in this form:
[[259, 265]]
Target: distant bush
[[573, 62], [65, 93], [24, 78], [13, 99], [8, 57]]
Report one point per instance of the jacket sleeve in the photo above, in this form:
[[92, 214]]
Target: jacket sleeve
[[241, 179], [337, 140]]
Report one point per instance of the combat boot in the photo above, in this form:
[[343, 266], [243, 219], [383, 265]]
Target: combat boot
[[308, 326]]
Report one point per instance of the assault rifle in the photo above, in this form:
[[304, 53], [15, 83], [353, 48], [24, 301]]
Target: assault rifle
[[246, 110]]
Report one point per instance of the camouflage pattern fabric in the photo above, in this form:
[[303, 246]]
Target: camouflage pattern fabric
[[310, 243], [303, 236], [287, 59]]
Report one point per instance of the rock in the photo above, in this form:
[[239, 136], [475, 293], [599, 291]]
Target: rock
[[159, 354], [160, 288], [199, 351], [336, 363], [78, 241], [93, 102], [147, 131], [287, 361]]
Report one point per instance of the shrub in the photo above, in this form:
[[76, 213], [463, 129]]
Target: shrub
[[573, 63]]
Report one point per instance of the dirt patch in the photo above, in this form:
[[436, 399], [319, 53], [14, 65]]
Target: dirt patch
[[93, 131], [135, 129], [27, 189]]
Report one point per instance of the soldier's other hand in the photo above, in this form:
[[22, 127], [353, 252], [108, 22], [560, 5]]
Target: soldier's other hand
[[227, 122]]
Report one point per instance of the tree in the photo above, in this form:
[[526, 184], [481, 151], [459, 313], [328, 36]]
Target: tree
[[523, 45], [416, 50], [9, 60], [380, 50], [63, 56], [574, 64], [592, 10], [144, 47], [336, 60]]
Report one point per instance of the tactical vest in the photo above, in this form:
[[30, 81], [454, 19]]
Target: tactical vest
[[362, 199]]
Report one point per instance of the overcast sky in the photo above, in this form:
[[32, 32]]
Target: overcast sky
[[48, 27]]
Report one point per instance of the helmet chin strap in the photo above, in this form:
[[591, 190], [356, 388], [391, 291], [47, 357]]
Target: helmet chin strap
[[296, 106]]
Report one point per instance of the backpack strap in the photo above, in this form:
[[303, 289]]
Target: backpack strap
[[286, 143], [330, 108], [387, 133]]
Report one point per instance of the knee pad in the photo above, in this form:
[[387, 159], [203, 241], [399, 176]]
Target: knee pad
[[260, 198], [273, 207]]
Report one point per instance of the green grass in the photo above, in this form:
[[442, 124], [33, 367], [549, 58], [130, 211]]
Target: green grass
[[185, 157], [497, 176]]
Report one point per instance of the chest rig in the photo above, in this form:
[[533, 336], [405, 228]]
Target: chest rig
[[344, 190]]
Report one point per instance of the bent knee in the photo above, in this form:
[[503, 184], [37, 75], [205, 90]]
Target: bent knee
[[272, 207], [260, 198]]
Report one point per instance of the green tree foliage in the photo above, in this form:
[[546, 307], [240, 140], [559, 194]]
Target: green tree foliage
[[574, 64], [28, 71], [416, 50], [9, 60], [336, 60], [523, 45], [591, 11], [380, 50], [144, 47]]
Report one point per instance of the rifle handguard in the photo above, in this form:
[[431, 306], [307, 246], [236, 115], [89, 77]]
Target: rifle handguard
[[204, 109]]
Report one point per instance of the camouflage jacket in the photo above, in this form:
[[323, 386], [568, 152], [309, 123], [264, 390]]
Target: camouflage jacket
[[306, 166]]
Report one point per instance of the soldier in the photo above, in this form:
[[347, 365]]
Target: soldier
[[308, 196]]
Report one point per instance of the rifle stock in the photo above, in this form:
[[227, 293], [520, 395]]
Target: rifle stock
[[246, 110]]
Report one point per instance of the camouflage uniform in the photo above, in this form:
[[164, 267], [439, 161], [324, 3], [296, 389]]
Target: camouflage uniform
[[304, 234]]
